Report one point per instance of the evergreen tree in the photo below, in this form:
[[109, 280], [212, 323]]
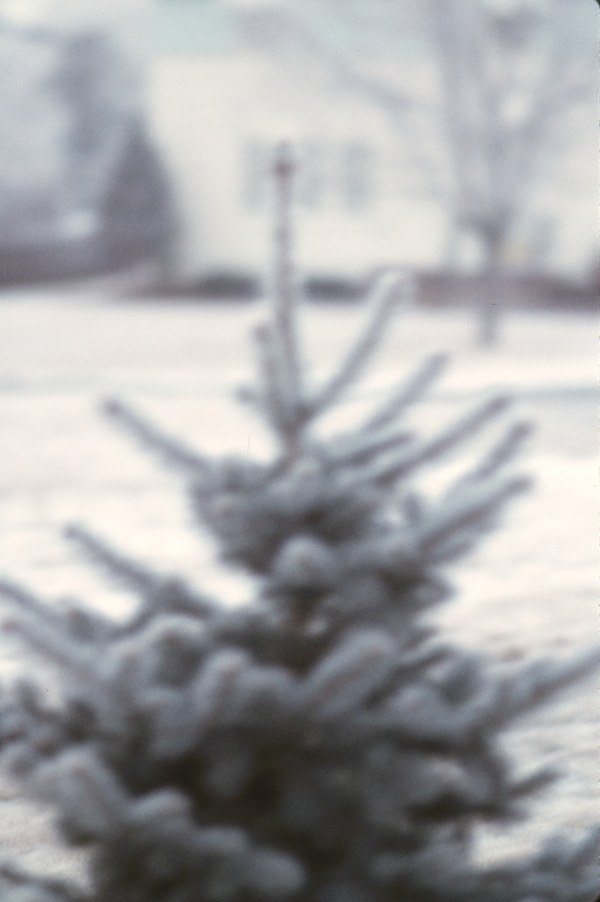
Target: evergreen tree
[[322, 744], [137, 213]]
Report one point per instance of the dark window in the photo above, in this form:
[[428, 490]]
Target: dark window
[[356, 176], [311, 177], [255, 177]]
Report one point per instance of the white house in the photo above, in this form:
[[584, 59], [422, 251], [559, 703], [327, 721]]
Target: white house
[[218, 100]]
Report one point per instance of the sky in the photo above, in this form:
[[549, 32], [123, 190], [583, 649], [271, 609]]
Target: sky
[[70, 13], [85, 12]]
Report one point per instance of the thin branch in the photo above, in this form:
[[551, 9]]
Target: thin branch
[[358, 448], [271, 388], [47, 637], [393, 466], [535, 683], [70, 617], [383, 301], [133, 575], [284, 291], [408, 393], [447, 525], [498, 456], [27, 601], [293, 32], [152, 586], [173, 451]]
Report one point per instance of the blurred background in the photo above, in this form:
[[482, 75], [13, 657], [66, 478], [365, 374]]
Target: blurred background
[[457, 137]]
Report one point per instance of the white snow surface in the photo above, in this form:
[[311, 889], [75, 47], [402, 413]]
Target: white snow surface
[[531, 588]]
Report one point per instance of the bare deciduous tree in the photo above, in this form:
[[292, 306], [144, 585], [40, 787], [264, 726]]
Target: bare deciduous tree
[[508, 74], [508, 78]]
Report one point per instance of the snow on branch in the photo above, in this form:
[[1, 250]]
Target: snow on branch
[[384, 299], [173, 452]]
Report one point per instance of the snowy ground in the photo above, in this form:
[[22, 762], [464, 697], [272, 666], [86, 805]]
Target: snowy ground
[[531, 588]]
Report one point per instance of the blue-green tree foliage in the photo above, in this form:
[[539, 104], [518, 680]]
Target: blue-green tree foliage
[[321, 744]]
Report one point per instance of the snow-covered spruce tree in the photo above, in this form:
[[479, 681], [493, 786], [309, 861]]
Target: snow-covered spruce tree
[[322, 744]]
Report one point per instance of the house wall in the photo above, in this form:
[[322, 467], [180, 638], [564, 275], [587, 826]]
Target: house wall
[[217, 118], [215, 109]]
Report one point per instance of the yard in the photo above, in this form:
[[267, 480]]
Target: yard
[[530, 588]]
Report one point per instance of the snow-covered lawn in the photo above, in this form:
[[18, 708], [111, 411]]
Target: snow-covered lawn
[[532, 586]]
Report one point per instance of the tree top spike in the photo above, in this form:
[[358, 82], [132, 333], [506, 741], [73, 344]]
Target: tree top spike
[[284, 160]]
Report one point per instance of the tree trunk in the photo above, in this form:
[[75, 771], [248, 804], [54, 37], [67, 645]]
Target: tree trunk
[[490, 300]]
